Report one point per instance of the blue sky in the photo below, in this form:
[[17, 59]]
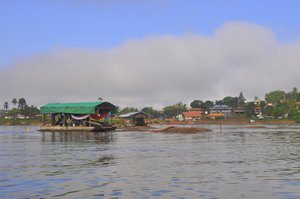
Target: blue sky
[[148, 52], [33, 27]]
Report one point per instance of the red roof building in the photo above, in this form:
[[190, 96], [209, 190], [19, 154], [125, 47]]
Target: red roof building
[[192, 115], [216, 115]]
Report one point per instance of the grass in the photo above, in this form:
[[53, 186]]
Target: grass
[[21, 122]]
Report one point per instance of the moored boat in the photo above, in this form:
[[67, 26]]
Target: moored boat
[[82, 116]]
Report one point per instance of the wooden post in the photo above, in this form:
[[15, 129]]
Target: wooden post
[[65, 119], [89, 120], [43, 119], [52, 119]]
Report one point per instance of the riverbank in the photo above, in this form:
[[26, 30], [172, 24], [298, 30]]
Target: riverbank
[[20, 122], [36, 122]]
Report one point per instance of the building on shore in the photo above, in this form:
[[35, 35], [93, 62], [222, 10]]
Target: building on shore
[[226, 110], [135, 118], [192, 114], [241, 110]]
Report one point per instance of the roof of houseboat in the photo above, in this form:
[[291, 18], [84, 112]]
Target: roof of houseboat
[[77, 107]]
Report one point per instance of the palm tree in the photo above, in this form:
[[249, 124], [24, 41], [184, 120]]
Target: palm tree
[[5, 105], [14, 101], [22, 103]]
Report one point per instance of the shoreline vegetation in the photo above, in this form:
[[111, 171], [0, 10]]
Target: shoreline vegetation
[[20, 122]]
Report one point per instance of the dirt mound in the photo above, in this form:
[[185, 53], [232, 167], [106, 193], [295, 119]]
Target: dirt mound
[[253, 127], [136, 128], [170, 129], [187, 130]]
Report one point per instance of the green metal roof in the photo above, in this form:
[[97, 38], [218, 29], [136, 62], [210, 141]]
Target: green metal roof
[[76, 108]]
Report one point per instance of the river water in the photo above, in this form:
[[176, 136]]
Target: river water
[[228, 162]]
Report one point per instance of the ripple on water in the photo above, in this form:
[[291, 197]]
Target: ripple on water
[[233, 163]]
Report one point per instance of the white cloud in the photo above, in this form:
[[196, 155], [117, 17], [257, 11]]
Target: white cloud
[[160, 71]]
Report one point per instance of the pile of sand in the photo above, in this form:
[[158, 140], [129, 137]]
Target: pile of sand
[[253, 127], [187, 130], [136, 128], [170, 129]]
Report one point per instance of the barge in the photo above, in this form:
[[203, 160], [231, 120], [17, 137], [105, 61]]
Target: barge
[[81, 116]]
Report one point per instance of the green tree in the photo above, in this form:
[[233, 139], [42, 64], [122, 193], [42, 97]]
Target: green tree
[[196, 104], [207, 105], [250, 109], [30, 111], [293, 95], [229, 101], [262, 104], [14, 102], [174, 110], [128, 110], [275, 97], [22, 103], [293, 112], [269, 111], [281, 109], [241, 99], [295, 92], [153, 112], [14, 112]]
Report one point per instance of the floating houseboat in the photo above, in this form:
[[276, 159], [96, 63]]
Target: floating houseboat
[[82, 116]]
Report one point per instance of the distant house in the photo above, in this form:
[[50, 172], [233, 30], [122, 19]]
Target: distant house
[[3, 113], [239, 110], [192, 115], [257, 101], [227, 110], [221, 109]]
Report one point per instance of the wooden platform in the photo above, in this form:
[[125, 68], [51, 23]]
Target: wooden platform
[[77, 128]]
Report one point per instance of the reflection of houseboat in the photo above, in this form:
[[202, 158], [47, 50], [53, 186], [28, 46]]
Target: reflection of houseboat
[[83, 116]]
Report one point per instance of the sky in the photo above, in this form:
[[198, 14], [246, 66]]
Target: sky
[[147, 52]]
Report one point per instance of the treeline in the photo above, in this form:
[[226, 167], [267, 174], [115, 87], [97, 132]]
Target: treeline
[[282, 104], [20, 108], [276, 104], [168, 111]]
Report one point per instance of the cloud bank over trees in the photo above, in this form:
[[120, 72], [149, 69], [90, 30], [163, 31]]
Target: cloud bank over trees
[[162, 70]]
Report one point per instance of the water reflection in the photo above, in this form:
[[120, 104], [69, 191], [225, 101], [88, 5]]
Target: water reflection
[[99, 138]]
